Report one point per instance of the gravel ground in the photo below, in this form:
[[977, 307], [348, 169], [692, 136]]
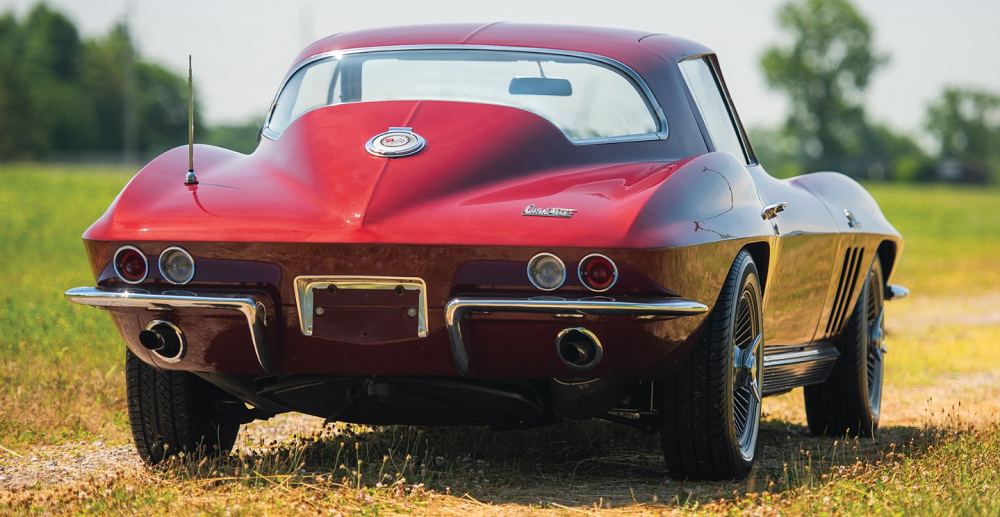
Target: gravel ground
[[979, 396], [72, 462]]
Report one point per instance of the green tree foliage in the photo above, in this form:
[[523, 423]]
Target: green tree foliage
[[825, 71], [236, 137], [965, 123], [59, 93]]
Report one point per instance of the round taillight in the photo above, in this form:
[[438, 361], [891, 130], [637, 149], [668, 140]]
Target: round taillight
[[597, 272], [546, 271], [176, 265], [131, 265]]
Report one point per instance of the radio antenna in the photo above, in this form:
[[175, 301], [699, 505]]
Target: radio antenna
[[190, 179]]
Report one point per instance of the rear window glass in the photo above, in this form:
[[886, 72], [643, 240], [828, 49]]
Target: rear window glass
[[585, 98]]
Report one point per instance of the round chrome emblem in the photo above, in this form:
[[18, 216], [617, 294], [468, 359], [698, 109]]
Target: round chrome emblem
[[398, 141]]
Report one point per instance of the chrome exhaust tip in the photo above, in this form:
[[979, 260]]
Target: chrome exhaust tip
[[164, 339], [579, 349]]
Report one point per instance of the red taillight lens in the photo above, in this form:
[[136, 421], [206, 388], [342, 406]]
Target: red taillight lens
[[131, 265], [597, 272]]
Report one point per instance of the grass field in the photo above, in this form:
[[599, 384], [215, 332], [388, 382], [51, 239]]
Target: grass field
[[61, 383]]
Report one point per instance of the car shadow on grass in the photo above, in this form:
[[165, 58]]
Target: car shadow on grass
[[575, 464]]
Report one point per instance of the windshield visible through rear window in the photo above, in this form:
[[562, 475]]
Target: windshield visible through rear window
[[585, 98]]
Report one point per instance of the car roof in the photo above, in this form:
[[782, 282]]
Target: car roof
[[618, 44]]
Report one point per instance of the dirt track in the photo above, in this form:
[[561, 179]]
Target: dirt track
[[973, 398]]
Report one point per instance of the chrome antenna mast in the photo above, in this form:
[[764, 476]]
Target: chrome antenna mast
[[190, 179]]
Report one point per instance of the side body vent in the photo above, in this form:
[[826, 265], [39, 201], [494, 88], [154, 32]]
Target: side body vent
[[853, 258]]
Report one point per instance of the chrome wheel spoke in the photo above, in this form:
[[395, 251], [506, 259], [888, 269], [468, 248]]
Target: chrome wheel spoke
[[876, 343], [746, 394]]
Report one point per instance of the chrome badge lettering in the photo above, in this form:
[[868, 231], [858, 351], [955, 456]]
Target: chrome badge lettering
[[548, 212]]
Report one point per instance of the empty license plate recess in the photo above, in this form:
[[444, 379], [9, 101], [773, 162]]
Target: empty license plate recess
[[361, 309]]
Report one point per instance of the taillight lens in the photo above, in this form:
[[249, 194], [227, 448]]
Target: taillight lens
[[597, 272], [546, 271], [131, 265], [176, 265]]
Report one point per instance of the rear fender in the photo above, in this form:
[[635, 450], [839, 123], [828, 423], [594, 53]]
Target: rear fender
[[709, 199]]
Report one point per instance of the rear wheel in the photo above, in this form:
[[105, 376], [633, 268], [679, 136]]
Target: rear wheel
[[849, 402], [173, 411], [710, 407]]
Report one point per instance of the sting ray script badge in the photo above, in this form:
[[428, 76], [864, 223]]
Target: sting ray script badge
[[549, 212]]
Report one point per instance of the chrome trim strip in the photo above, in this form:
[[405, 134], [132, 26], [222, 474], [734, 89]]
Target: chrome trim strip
[[249, 306], [304, 286], [579, 271], [159, 264], [546, 254], [800, 356], [895, 292], [458, 308], [114, 264], [651, 103]]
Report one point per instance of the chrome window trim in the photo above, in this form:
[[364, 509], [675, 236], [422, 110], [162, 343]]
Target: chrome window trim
[[304, 286], [709, 58], [250, 306], [546, 254], [159, 264], [579, 271], [114, 264], [655, 110]]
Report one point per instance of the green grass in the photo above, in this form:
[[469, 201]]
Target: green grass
[[952, 236], [61, 380], [60, 364]]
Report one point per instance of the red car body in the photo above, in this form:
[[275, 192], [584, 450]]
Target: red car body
[[670, 211]]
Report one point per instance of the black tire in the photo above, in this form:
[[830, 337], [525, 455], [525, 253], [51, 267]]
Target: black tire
[[850, 400], [173, 411], [707, 434]]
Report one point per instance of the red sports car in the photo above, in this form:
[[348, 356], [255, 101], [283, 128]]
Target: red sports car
[[508, 225]]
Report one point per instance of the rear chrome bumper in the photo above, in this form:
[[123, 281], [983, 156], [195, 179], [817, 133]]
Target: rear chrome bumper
[[458, 308], [895, 292], [254, 309], [251, 306]]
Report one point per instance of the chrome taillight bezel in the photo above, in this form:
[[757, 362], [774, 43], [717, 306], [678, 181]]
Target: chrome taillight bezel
[[115, 262], [614, 272], [539, 256], [164, 254]]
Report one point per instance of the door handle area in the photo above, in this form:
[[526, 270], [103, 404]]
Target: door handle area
[[771, 211]]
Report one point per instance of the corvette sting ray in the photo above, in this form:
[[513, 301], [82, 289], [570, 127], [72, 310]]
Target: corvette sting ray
[[508, 225]]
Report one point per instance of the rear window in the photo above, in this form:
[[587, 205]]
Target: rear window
[[585, 98]]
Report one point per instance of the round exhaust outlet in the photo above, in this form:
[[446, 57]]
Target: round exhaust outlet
[[579, 349], [164, 339]]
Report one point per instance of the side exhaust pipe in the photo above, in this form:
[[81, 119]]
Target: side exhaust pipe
[[579, 349], [164, 339]]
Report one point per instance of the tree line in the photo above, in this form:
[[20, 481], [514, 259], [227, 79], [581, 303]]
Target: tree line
[[825, 71], [62, 95]]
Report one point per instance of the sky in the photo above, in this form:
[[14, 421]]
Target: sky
[[242, 48]]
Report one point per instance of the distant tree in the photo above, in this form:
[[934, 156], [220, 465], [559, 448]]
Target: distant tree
[[825, 71], [775, 150], [61, 94], [966, 124], [51, 62], [20, 134], [237, 137], [893, 156], [160, 107]]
